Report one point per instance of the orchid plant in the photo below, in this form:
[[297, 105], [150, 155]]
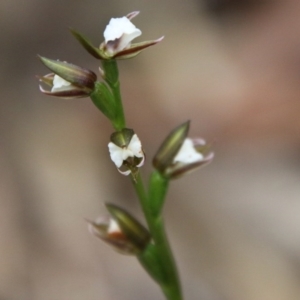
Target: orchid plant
[[176, 156]]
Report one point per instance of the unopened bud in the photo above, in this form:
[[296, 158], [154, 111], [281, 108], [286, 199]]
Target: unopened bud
[[179, 155], [121, 230], [170, 147], [67, 80]]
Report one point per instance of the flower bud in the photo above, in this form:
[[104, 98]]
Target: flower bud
[[170, 146], [118, 36], [193, 154], [126, 151], [67, 80], [179, 155], [121, 230]]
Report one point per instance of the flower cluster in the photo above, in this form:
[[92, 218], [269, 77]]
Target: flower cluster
[[177, 155], [68, 81]]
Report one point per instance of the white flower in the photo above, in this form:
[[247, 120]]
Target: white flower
[[119, 155], [187, 153], [179, 154], [119, 33], [190, 156], [59, 83]]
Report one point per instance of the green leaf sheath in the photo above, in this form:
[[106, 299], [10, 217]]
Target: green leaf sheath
[[149, 259], [103, 98]]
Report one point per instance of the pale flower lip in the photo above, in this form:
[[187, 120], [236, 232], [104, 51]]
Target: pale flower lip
[[64, 91], [187, 153], [192, 155], [59, 83], [119, 33], [113, 227]]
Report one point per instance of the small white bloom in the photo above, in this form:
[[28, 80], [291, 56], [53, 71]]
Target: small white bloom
[[113, 227], [59, 83], [119, 33], [187, 153], [118, 154]]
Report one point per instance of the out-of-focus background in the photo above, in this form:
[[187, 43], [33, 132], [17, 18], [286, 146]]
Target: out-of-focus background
[[230, 66]]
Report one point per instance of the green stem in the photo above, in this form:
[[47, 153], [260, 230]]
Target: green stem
[[171, 289], [143, 197], [171, 286]]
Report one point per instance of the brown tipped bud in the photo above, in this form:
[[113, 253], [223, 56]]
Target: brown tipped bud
[[121, 230], [170, 146], [179, 155], [67, 80]]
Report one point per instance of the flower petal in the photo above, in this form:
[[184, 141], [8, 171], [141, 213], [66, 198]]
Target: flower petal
[[59, 83], [119, 26], [119, 33], [113, 227], [116, 154], [135, 146], [142, 161], [187, 153], [126, 173], [136, 48], [126, 153], [180, 169]]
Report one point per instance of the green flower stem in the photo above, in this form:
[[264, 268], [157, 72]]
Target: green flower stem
[[171, 288], [111, 76], [158, 188]]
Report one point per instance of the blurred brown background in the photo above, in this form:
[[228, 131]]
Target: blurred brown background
[[233, 68]]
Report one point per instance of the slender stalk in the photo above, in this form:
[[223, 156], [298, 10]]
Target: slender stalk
[[139, 187], [171, 288]]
